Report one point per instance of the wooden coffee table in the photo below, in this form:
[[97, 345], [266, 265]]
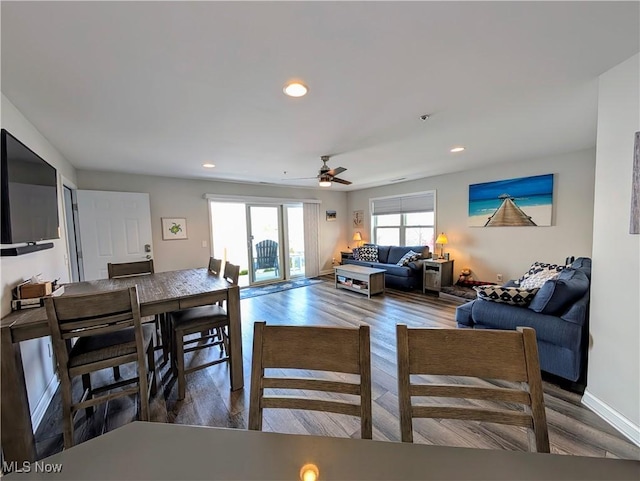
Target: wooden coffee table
[[365, 280]]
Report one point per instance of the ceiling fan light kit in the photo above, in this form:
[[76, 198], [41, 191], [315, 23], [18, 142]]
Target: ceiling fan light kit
[[327, 175]]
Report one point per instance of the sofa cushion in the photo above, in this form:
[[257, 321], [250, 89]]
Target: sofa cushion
[[383, 254], [538, 267], [408, 257], [514, 296], [396, 252], [539, 278], [556, 294]]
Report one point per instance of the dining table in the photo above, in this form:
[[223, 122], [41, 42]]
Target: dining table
[[158, 293], [159, 451]]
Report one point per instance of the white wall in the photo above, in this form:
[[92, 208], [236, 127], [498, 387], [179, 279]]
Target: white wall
[[613, 387], [505, 250], [38, 365], [184, 198]]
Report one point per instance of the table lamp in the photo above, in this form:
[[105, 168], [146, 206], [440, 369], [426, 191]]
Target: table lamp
[[358, 238], [442, 240]]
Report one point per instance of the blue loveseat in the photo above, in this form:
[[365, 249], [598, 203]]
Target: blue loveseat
[[402, 277], [561, 325]]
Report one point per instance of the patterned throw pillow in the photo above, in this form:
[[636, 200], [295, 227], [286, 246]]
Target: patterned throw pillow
[[539, 267], [356, 253], [513, 296], [408, 257], [368, 253], [539, 278]]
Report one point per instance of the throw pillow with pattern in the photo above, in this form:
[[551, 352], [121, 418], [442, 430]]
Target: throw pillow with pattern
[[356, 253], [408, 257], [538, 279], [514, 296], [368, 253], [539, 267]]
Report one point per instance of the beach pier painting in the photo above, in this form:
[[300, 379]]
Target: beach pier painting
[[523, 201]]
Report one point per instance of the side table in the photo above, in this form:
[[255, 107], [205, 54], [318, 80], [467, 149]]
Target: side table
[[345, 255], [437, 273]]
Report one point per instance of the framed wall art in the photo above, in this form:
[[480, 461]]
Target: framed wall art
[[358, 218], [174, 228], [523, 201]]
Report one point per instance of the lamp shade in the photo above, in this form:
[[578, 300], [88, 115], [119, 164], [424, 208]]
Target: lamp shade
[[357, 236], [442, 239]]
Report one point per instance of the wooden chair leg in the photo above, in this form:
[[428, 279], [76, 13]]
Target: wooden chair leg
[[67, 416], [86, 384], [179, 341], [143, 389], [151, 362]]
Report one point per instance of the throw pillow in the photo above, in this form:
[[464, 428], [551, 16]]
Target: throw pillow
[[539, 267], [539, 278], [356, 253], [513, 296], [368, 253], [408, 257]]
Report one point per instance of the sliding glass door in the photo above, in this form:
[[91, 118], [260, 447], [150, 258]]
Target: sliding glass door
[[265, 246]]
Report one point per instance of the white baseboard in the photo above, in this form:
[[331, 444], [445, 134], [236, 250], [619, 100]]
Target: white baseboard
[[613, 417], [38, 413]]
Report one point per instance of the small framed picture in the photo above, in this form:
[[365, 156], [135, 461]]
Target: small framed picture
[[358, 218], [174, 228], [331, 215]]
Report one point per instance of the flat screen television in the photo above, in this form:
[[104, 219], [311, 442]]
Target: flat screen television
[[29, 194]]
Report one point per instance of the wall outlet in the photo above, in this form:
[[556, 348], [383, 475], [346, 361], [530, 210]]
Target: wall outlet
[[499, 277]]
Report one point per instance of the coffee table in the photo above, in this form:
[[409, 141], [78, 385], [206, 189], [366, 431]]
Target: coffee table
[[366, 280]]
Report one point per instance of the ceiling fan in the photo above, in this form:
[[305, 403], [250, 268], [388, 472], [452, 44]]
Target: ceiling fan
[[327, 175]]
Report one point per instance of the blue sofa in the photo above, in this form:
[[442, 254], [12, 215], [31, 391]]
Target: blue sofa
[[561, 321], [402, 277]]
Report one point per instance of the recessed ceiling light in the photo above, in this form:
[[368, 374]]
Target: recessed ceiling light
[[457, 149], [208, 166], [295, 89]]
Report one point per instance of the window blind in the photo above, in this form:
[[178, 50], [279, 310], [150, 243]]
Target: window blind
[[404, 204]]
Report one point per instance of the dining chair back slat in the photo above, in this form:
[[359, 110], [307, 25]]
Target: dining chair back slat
[[215, 265]]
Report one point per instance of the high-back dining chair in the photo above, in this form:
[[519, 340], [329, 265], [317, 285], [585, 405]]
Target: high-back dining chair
[[490, 354], [125, 269], [110, 333], [138, 268], [332, 349], [215, 266], [210, 322]]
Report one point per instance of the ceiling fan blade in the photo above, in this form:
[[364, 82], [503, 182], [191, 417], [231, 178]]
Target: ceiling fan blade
[[336, 171], [340, 181]]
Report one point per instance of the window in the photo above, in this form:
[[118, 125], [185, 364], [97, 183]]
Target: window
[[407, 220]]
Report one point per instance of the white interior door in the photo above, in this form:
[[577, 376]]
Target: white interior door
[[114, 227]]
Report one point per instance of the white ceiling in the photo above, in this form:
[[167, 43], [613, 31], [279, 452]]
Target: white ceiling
[[160, 88]]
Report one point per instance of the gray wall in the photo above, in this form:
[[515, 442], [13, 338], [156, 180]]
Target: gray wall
[[488, 251], [613, 388], [52, 264], [184, 198]]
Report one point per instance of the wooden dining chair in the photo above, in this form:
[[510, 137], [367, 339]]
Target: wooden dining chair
[[138, 268], [215, 266], [110, 334], [125, 269], [490, 354], [209, 324], [332, 349]]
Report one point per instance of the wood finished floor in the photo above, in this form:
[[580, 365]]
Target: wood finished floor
[[573, 429]]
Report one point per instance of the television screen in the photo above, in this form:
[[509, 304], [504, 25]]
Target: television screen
[[29, 194]]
